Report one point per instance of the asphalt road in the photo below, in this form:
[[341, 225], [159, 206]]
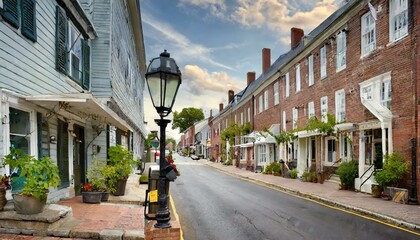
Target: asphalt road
[[214, 205]]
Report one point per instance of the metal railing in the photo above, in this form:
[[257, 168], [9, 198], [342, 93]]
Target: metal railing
[[360, 188]]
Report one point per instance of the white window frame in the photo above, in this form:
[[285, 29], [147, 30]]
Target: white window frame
[[235, 119], [242, 118], [341, 57], [340, 106], [344, 147], [249, 114], [284, 120], [324, 108], [260, 103], [75, 47], [295, 117], [276, 93], [287, 84], [311, 109], [298, 81], [323, 62], [398, 13], [368, 34], [386, 93], [262, 153], [311, 70], [265, 99]]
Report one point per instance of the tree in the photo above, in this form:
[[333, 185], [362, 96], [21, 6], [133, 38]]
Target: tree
[[171, 140], [187, 118]]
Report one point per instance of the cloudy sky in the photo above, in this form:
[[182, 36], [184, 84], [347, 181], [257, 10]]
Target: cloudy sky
[[216, 42]]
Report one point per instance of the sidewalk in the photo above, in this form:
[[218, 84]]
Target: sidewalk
[[407, 216]]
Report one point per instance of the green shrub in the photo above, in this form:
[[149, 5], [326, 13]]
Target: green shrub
[[273, 167], [347, 172], [393, 172], [144, 178], [293, 173]]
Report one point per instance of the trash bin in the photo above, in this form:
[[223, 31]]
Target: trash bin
[[151, 204]]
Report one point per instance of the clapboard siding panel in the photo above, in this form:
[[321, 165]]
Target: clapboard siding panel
[[101, 49], [29, 68]]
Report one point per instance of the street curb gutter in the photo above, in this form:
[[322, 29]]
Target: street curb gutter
[[374, 215]]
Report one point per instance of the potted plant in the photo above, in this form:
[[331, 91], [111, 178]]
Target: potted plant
[[96, 179], [393, 172], [119, 166], [376, 190], [38, 176], [347, 171]]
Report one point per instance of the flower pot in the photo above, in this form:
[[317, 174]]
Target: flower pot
[[25, 204], [92, 197], [320, 177], [105, 196], [376, 191], [120, 187], [3, 199]]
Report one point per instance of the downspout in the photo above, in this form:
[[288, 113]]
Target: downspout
[[413, 197]]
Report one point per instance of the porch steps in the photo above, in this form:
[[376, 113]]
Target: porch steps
[[37, 224], [334, 179]]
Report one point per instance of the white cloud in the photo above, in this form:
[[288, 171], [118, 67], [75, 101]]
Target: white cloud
[[167, 37]]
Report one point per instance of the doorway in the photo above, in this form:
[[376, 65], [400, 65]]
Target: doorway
[[79, 160]]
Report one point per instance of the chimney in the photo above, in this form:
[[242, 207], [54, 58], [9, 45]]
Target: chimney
[[220, 107], [266, 59], [210, 118], [250, 77], [295, 36], [231, 94]]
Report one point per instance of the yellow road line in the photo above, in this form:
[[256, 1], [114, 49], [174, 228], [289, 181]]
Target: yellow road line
[[176, 216]]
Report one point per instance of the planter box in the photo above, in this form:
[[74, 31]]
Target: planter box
[[92, 197], [397, 194]]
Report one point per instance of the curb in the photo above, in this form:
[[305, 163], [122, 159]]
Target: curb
[[375, 215]]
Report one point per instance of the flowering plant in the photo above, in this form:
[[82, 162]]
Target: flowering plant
[[171, 161], [89, 187]]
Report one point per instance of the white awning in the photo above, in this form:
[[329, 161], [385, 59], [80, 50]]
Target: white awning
[[83, 105], [245, 145], [344, 127], [305, 134]]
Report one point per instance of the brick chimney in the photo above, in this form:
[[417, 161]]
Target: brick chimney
[[231, 94], [295, 36], [220, 107], [266, 59], [250, 77]]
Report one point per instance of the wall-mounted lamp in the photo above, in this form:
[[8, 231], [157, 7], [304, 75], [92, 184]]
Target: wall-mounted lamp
[[72, 134], [287, 121], [53, 139]]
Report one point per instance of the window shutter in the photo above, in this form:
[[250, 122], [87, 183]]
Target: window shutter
[[10, 12], [86, 65], [28, 19], [63, 153], [61, 40]]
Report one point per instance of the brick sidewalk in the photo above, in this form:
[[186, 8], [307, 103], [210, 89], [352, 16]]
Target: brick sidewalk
[[399, 214]]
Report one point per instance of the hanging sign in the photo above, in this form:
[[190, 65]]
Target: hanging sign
[[154, 196]]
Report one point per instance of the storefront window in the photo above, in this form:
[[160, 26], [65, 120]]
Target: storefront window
[[19, 130]]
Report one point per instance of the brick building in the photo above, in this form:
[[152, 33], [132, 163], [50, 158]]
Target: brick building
[[360, 66]]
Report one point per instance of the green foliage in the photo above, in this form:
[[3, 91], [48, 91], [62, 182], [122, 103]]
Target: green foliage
[[187, 118], [39, 175], [95, 175], [245, 129], [348, 171], [144, 178], [272, 167], [283, 136], [323, 127], [393, 172], [293, 173], [119, 165]]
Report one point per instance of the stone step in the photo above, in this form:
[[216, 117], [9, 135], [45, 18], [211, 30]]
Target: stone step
[[335, 179], [34, 224]]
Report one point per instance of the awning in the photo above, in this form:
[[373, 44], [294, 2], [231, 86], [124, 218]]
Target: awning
[[83, 105], [264, 138], [245, 145], [306, 134], [345, 127]]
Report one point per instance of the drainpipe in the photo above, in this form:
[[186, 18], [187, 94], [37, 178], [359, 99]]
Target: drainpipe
[[413, 198]]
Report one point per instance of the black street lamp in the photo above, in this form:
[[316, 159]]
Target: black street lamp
[[163, 79]]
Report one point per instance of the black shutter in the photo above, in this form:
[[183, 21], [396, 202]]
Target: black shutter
[[86, 65], [63, 153], [28, 19], [61, 40], [10, 12]]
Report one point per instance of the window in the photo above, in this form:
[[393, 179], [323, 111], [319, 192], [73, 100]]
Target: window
[[368, 34], [311, 109], [367, 92], [341, 51], [298, 78], [398, 19], [262, 153], [20, 131], [287, 85], [331, 153], [344, 153], [340, 106], [235, 119], [276, 93], [242, 118], [323, 59], [284, 120], [260, 104], [21, 14], [324, 109], [72, 50], [249, 115], [265, 99], [295, 117], [311, 70], [386, 94]]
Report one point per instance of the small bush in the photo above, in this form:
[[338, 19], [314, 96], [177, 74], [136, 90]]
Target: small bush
[[293, 173], [273, 167], [394, 170], [144, 178], [347, 172]]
